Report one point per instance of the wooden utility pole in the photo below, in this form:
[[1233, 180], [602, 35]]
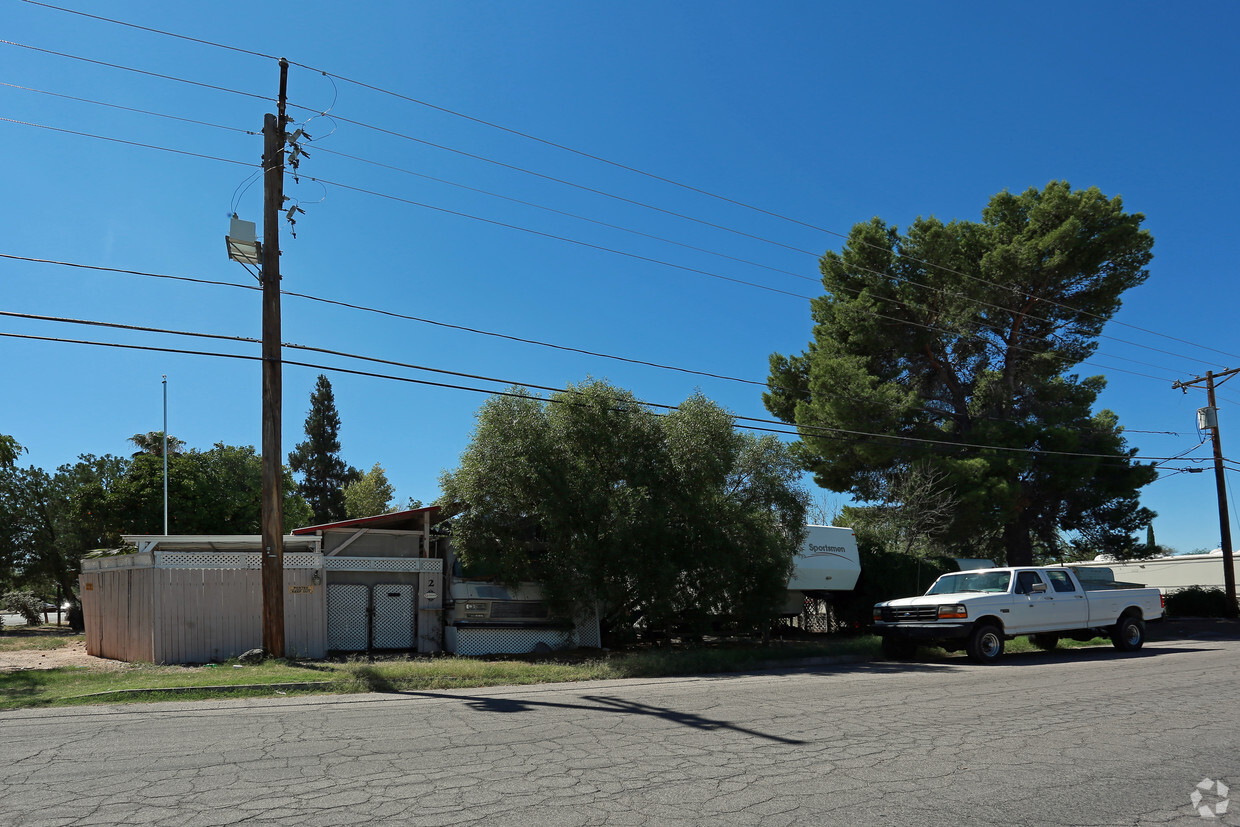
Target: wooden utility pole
[[273, 467], [1224, 522]]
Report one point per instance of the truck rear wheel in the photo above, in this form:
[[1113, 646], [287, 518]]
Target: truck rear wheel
[[1129, 634], [985, 643]]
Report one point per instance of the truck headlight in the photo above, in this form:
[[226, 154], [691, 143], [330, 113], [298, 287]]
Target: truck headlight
[[958, 610], [878, 612]]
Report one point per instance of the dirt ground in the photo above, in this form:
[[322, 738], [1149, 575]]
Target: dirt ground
[[70, 655]]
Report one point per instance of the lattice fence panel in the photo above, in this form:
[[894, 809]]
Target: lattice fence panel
[[817, 616], [587, 632], [393, 605], [417, 564], [232, 560], [348, 606], [480, 641]]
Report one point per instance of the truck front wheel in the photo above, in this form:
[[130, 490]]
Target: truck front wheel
[[985, 643], [1129, 634]]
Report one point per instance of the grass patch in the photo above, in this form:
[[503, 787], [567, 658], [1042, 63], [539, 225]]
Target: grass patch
[[136, 683], [1023, 644], [36, 638]]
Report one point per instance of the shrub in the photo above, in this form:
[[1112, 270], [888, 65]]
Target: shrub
[[1197, 601], [24, 604]]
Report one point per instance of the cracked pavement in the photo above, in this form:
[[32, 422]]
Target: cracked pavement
[[1074, 737]]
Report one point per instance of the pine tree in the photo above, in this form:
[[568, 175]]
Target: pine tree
[[958, 345], [324, 473]]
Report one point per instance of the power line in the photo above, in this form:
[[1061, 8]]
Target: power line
[[698, 271], [583, 218], [578, 242], [159, 75], [129, 108], [129, 143], [572, 150], [894, 277], [563, 181], [462, 328], [564, 213], [555, 237], [152, 30], [437, 323], [800, 428]]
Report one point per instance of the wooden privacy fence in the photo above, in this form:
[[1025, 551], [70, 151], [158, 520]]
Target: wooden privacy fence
[[197, 607]]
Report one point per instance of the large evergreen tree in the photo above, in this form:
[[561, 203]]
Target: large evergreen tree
[[958, 343], [317, 459]]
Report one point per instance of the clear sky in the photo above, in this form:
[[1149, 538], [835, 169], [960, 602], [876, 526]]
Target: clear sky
[[826, 113]]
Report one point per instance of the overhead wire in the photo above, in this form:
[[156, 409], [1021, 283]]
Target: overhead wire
[[565, 182], [572, 150], [249, 181], [565, 213], [130, 143], [145, 72], [829, 430], [744, 282], [130, 109], [433, 322], [685, 268], [553, 236], [554, 179], [152, 30]]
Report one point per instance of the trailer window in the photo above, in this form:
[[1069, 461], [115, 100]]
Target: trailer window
[[1061, 581]]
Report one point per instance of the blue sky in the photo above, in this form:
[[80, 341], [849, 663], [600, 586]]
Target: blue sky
[[825, 113]]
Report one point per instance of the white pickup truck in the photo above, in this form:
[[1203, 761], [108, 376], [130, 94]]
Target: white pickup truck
[[980, 609]]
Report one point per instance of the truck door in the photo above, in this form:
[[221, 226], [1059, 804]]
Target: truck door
[[1031, 612], [1069, 608]]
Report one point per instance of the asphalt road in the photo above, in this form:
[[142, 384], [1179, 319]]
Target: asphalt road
[[1072, 737]]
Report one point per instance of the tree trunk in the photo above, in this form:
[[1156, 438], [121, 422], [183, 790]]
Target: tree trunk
[[1018, 543]]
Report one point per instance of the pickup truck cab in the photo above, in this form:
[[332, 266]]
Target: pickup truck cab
[[979, 610]]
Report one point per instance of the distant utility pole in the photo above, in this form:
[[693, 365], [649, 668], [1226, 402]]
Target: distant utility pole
[[273, 494], [1224, 524]]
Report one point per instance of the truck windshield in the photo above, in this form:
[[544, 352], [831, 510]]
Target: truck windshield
[[972, 581]]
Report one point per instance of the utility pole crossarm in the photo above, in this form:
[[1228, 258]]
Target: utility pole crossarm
[[1188, 383]]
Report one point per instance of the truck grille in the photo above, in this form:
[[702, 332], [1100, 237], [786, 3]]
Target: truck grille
[[910, 614]]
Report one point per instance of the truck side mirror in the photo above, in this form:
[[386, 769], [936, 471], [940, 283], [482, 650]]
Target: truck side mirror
[[1038, 588]]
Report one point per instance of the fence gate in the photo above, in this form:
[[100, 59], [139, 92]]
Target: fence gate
[[348, 617], [361, 617], [393, 616]]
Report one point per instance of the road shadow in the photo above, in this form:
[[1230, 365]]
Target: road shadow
[[1193, 628], [1092, 654], [604, 703]]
